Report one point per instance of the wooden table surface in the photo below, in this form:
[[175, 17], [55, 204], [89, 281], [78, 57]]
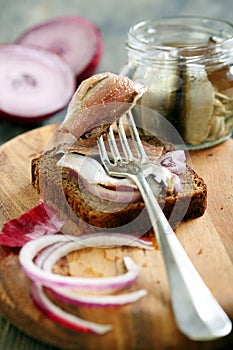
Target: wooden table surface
[[114, 17], [207, 240]]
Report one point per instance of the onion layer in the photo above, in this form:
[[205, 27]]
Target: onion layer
[[174, 161], [75, 298], [47, 278], [94, 178], [38, 257], [62, 317]]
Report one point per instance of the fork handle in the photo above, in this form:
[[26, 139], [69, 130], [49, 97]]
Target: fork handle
[[198, 315]]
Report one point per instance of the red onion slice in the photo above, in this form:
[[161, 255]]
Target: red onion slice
[[45, 253], [97, 182], [174, 161], [37, 258], [77, 40], [34, 83], [40, 220], [92, 171], [114, 195], [56, 314], [75, 298], [177, 183], [30, 249]]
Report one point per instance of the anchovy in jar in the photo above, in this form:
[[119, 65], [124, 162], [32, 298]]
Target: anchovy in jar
[[186, 63]]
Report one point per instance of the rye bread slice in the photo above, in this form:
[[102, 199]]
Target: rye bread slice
[[66, 193]]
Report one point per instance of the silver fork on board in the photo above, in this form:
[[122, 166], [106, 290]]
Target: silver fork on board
[[197, 313]]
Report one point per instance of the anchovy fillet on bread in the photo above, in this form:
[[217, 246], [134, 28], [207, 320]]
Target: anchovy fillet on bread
[[110, 96], [65, 192]]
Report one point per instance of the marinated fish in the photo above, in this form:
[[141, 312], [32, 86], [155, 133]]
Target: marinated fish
[[99, 102]]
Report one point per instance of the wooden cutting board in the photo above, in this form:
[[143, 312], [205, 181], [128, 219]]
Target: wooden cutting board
[[149, 323]]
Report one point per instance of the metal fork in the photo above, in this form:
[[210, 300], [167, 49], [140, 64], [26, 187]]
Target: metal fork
[[197, 313]]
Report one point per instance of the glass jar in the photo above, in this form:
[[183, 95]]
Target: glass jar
[[186, 63]]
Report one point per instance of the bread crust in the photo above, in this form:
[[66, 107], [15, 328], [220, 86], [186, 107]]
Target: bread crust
[[68, 195]]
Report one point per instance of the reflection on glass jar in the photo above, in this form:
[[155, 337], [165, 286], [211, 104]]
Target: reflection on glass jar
[[187, 65]]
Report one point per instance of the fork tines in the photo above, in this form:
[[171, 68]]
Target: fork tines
[[135, 137], [129, 146]]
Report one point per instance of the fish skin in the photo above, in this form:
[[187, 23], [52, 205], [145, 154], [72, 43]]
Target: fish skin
[[97, 103]]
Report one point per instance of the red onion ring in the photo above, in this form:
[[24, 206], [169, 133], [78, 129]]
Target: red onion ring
[[91, 170], [115, 195], [75, 298], [37, 258], [30, 249], [97, 182], [62, 317], [174, 161]]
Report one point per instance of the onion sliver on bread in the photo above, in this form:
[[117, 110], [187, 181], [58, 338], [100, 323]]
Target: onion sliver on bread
[[65, 190], [66, 193]]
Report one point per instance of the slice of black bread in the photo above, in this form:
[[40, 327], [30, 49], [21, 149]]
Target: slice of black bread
[[68, 195]]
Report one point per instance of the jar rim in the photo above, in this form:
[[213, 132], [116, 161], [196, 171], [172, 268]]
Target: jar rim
[[146, 35]]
